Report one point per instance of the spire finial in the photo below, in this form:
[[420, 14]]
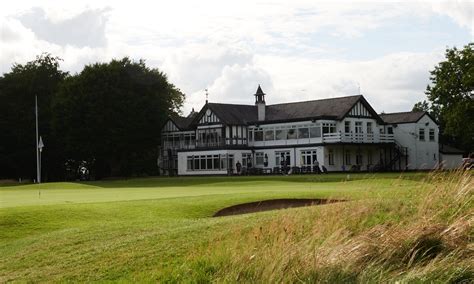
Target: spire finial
[[259, 95]]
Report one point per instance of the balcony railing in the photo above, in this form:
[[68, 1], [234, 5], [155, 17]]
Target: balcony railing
[[179, 145], [218, 143], [341, 137]]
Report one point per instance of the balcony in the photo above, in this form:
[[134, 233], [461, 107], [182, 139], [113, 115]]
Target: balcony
[[179, 145], [215, 143], [222, 143], [340, 137]]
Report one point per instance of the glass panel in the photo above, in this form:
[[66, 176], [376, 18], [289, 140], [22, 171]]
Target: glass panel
[[291, 134], [347, 126], [269, 135], [303, 133], [281, 134], [259, 158], [258, 135], [315, 132]]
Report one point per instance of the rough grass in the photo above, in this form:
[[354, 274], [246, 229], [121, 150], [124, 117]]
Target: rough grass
[[425, 239], [413, 228]]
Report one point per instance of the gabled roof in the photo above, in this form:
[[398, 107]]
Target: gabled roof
[[183, 123], [333, 108], [234, 114], [402, 117]]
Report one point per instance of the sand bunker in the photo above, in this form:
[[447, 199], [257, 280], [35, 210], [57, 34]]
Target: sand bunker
[[273, 204]]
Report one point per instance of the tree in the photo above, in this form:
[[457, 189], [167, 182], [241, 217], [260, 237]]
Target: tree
[[18, 88], [109, 116], [451, 95], [422, 106]]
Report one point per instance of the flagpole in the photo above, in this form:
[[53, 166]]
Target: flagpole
[[38, 174]]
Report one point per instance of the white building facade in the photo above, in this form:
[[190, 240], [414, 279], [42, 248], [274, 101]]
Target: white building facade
[[337, 134]]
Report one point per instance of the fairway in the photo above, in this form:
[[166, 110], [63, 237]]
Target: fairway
[[158, 228]]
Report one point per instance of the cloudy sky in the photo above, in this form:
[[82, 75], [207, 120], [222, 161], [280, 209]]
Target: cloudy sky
[[297, 50]]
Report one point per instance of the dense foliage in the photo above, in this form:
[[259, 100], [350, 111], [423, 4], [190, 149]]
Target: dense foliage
[[18, 88], [451, 97], [106, 118]]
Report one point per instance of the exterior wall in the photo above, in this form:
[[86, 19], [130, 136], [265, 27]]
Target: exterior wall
[[339, 157], [182, 162], [295, 155], [421, 154], [337, 135], [451, 161]]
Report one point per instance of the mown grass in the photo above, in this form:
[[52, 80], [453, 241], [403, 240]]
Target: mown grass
[[410, 227]]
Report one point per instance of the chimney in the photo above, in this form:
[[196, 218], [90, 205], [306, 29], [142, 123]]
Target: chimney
[[260, 103]]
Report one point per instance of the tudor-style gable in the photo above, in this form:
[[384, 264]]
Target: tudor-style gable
[[170, 126], [362, 109], [208, 117], [359, 110]]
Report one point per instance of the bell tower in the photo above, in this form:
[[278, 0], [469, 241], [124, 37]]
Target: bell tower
[[260, 103]]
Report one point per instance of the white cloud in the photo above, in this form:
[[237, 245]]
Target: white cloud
[[230, 47], [85, 29], [461, 11], [391, 83]]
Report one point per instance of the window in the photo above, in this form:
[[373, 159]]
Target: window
[[331, 157], [390, 130], [269, 135], [208, 162], [348, 157], [421, 133], [227, 161], [358, 159], [202, 165], [369, 157], [258, 132], [369, 127], [308, 157], [190, 163], [215, 162], [246, 160], [432, 135], [280, 134], [358, 127], [291, 133], [196, 163], [329, 127], [282, 156], [303, 132], [347, 126], [259, 158], [251, 135], [315, 131]]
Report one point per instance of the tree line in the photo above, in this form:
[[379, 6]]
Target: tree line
[[450, 97], [104, 120]]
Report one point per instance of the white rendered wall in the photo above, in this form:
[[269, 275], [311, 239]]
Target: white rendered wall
[[451, 161], [422, 155], [183, 161]]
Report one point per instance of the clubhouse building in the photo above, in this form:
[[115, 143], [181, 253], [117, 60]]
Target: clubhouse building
[[335, 134]]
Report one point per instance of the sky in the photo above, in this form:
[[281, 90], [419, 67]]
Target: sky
[[296, 50]]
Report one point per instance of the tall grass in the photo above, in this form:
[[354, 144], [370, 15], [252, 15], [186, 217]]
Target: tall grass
[[427, 237]]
